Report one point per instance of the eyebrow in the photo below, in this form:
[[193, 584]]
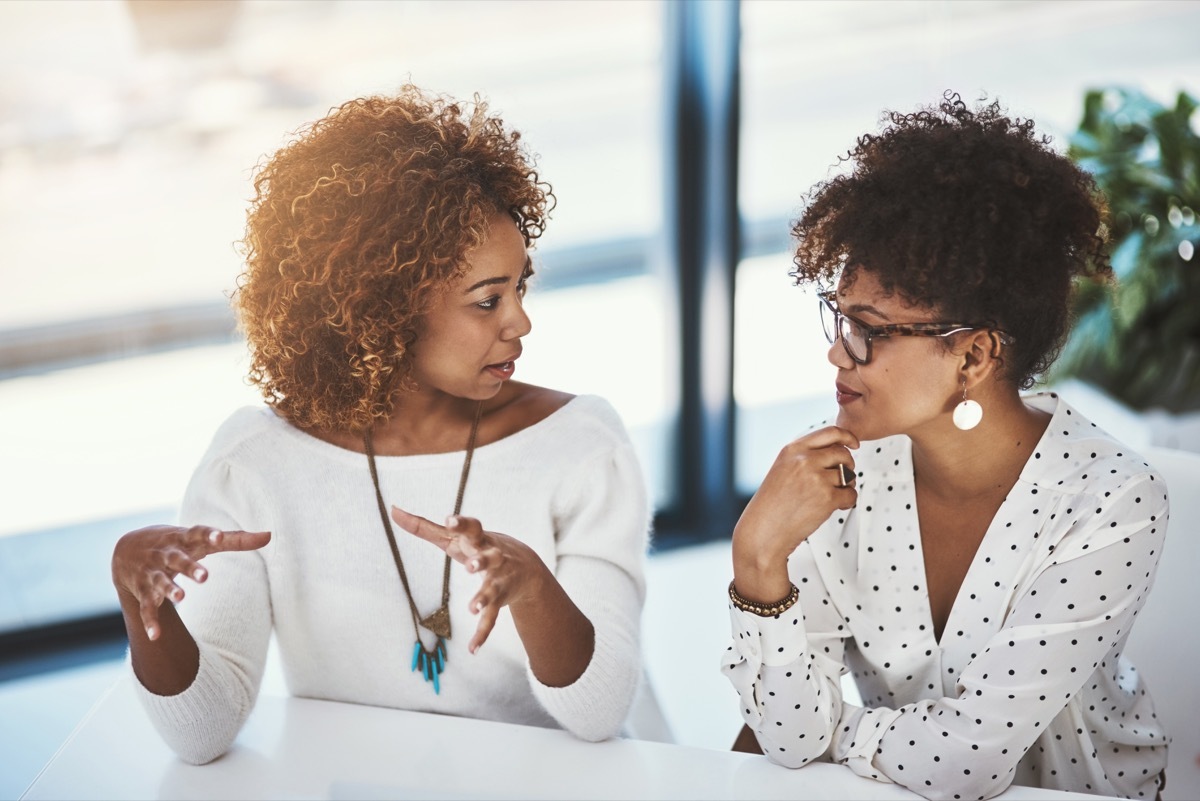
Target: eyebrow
[[500, 279], [859, 308]]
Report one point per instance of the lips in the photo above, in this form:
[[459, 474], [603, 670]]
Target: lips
[[845, 394], [503, 370]]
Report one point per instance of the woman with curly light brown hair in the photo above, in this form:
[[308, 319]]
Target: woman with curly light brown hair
[[386, 262], [974, 556]]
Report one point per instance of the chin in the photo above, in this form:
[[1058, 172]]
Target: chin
[[487, 392], [849, 423], [860, 428]]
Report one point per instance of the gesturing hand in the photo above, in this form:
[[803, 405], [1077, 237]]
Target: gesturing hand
[[146, 562], [512, 572]]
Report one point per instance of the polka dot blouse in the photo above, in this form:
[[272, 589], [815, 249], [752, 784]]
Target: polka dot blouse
[[1027, 686]]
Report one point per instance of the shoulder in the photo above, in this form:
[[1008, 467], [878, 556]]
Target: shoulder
[[1075, 455], [246, 431], [585, 436], [594, 418], [519, 406], [548, 412]]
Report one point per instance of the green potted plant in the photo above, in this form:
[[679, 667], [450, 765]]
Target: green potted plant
[[1138, 338]]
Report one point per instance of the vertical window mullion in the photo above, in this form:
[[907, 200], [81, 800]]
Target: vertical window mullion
[[702, 73]]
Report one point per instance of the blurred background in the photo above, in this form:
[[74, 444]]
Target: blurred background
[[679, 136]]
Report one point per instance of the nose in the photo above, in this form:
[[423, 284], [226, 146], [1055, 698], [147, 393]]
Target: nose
[[838, 356], [519, 324]]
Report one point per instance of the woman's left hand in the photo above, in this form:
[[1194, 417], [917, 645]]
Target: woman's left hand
[[512, 572]]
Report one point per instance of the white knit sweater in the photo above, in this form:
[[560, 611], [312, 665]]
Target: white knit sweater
[[569, 486]]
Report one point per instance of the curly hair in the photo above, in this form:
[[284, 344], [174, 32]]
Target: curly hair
[[356, 225], [966, 212]]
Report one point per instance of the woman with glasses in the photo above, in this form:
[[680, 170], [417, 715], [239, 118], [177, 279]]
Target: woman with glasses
[[973, 555]]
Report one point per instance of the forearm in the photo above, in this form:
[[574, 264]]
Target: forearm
[[766, 535], [787, 668], [791, 706], [168, 664], [760, 579], [795, 498], [559, 639]]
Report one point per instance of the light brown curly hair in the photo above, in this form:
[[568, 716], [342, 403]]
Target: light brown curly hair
[[356, 225]]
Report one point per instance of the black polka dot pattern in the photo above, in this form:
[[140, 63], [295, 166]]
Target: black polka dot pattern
[[1027, 684]]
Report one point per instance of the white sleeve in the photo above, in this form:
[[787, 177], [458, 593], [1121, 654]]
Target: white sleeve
[[229, 616], [602, 525], [787, 669]]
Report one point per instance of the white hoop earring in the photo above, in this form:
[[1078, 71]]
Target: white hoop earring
[[967, 413]]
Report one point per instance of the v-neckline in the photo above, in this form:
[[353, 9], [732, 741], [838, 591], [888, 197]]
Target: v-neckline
[[983, 550], [917, 553], [969, 577]]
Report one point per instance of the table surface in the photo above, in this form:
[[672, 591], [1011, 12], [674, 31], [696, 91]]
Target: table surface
[[297, 748]]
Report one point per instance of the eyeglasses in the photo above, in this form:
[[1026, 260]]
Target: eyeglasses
[[856, 335]]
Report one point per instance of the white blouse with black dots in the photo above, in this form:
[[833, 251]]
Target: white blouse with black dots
[[1026, 686]]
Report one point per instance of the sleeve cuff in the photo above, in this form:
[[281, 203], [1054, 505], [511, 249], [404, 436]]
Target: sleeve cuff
[[773, 641]]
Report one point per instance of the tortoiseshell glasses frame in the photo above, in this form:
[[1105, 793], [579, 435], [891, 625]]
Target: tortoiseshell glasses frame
[[856, 335]]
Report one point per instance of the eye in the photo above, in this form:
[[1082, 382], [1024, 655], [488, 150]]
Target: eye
[[490, 303]]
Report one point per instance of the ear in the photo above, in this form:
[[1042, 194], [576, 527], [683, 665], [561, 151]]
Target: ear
[[979, 356]]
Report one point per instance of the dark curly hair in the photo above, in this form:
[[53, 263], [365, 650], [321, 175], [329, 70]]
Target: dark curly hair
[[355, 227], [966, 212]]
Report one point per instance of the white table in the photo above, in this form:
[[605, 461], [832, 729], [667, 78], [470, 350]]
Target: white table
[[294, 748]]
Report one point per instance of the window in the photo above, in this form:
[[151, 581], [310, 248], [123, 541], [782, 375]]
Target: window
[[816, 75], [129, 130], [128, 135]]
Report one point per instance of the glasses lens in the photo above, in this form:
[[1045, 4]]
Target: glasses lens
[[828, 320], [854, 337]]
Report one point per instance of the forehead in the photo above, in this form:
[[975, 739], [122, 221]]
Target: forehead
[[502, 252], [861, 289]]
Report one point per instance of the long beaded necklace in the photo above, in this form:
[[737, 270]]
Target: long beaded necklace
[[430, 661]]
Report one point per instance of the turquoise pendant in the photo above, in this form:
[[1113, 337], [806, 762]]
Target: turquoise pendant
[[430, 663]]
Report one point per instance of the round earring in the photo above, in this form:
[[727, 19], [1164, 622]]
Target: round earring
[[967, 413]]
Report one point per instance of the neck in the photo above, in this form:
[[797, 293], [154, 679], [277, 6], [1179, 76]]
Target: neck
[[420, 423], [983, 461], [425, 423]]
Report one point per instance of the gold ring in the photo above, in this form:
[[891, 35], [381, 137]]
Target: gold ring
[[845, 475]]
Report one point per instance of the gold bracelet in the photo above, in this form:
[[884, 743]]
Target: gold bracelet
[[763, 610]]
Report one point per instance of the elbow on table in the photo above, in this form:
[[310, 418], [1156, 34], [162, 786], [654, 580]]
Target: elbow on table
[[794, 755], [595, 706], [604, 720], [594, 734], [597, 724], [963, 783], [197, 750]]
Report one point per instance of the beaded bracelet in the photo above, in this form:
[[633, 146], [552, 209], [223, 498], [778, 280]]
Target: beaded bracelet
[[763, 610]]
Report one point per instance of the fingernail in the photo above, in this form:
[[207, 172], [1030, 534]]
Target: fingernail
[[201, 574], [452, 521], [150, 632], [474, 564], [213, 536]]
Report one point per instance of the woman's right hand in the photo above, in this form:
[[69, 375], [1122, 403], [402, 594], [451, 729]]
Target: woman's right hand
[[799, 493], [146, 563]]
